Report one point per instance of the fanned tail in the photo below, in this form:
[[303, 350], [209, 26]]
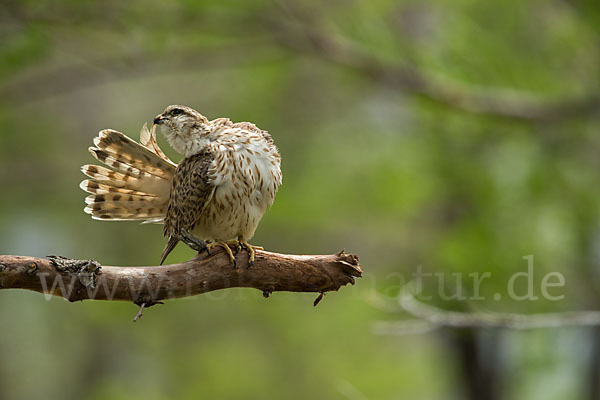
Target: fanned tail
[[137, 184]]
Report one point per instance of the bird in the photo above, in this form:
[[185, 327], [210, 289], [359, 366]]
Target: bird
[[216, 195]]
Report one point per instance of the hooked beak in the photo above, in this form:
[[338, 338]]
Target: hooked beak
[[158, 120]]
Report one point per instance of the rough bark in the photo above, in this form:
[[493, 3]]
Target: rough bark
[[82, 280]]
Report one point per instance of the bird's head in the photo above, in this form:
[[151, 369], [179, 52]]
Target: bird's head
[[185, 129]]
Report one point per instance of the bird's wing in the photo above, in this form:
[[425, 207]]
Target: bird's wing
[[191, 190]]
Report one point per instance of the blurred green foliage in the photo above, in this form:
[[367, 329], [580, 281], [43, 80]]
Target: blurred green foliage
[[394, 176]]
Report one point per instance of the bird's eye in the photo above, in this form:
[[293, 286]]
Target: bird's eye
[[176, 111]]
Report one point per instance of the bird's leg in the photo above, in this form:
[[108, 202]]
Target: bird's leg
[[238, 246], [192, 241], [225, 245], [251, 250]]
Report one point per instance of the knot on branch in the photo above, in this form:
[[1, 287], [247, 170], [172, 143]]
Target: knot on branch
[[85, 270]]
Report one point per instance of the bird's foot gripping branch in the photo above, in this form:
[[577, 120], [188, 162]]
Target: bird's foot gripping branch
[[77, 280]]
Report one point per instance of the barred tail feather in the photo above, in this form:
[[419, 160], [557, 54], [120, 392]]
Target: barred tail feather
[[148, 139], [132, 153], [137, 184]]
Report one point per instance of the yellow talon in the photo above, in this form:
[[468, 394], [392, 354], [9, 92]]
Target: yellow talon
[[251, 250], [225, 246], [239, 244]]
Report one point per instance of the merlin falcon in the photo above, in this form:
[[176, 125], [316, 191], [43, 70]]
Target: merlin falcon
[[216, 196]]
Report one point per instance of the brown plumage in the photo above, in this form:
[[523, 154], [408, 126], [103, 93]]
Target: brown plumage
[[191, 190]]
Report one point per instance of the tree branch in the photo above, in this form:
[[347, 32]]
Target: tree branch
[[488, 319], [430, 318], [40, 83], [498, 102], [86, 280]]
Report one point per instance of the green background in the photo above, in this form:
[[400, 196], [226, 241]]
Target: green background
[[458, 136]]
